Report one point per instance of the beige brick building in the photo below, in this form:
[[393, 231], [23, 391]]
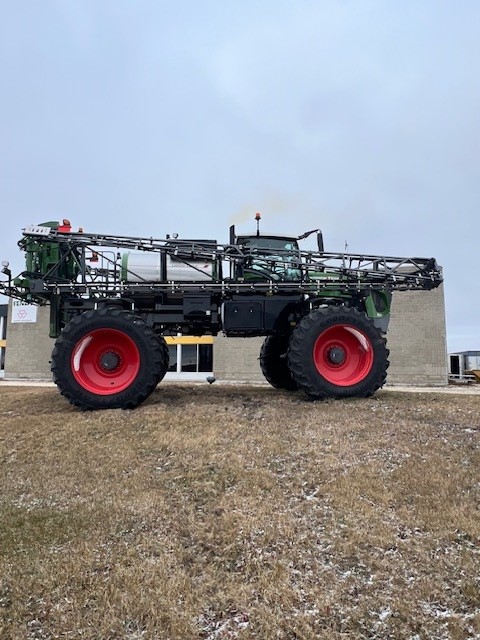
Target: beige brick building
[[29, 347], [416, 339]]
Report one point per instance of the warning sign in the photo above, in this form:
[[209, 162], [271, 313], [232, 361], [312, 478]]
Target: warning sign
[[23, 312]]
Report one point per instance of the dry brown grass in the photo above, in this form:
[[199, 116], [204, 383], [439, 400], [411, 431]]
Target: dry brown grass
[[222, 512]]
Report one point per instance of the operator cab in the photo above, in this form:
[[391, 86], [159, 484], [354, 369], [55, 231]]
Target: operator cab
[[275, 258], [267, 258]]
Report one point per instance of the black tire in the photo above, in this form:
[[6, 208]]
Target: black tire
[[108, 359], [274, 364], [337, 352]]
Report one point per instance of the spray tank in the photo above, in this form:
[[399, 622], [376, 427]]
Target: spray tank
[[179, 265], [161, 267]]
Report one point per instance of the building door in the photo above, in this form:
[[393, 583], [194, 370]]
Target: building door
[[455, 365]]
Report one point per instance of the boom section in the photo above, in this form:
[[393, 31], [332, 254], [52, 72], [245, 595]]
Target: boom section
[[92, 265]]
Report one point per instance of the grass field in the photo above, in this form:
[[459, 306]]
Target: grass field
[[239, 512]]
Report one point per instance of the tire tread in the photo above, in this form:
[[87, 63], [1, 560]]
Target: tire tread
[[133, 395], [314, 385]]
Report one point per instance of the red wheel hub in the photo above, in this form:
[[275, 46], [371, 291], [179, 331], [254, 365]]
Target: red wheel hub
[[105, 361], [343, 355]]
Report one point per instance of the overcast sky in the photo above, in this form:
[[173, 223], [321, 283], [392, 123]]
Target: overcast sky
[[153, 117]]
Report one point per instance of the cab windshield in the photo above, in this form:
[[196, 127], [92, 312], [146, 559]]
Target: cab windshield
[[271, 259], [264, 242]]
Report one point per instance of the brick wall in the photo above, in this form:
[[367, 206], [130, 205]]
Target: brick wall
[[417, 338], [237, 358], [29, 347]]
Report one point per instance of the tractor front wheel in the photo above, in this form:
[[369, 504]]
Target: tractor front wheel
[[338, 352], [108, 359]]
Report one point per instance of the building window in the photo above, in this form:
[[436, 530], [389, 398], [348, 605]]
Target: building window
[[190, 357]]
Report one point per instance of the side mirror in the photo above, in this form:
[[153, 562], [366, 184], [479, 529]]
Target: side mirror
[[320, 241]]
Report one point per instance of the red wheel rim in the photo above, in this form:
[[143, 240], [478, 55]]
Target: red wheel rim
[[343, 355], [105, 361]]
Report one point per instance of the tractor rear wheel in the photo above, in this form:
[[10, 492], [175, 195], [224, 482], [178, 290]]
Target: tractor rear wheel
[[338, 352], [108, 359], [274, 364]]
